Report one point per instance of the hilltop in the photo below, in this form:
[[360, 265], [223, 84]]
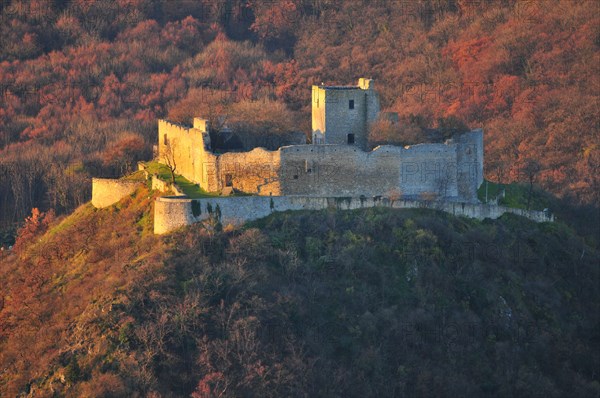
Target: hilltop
[[374, 302]]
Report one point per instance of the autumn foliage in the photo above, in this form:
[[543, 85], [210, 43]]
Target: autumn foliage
[[373, 302], [79, 77]]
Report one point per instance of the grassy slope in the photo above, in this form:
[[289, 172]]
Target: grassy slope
[[375, 302], [190, 189], [516, 195]]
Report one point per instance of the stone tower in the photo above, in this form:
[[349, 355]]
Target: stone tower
[[342, 114]]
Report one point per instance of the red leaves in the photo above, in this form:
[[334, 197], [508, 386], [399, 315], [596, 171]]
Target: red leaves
[[35, 225], [275, 20]]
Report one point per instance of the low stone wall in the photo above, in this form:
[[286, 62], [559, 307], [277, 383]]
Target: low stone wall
[[164, 186], [106, 191], [171, 213]]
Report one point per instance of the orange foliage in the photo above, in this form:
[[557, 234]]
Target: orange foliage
[[35, 225]]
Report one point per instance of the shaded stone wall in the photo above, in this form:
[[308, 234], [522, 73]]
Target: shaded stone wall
[[338, 170], [469, 159], [429, 169], [106, 192], [171, 213]]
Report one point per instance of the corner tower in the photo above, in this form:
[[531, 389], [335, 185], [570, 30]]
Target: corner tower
[[342, 114]]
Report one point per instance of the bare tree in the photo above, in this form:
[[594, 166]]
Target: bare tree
[[169, 158], [394, 195]]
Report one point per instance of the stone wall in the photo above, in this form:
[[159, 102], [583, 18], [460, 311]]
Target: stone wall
[[453, 170], [339, 170], [469, 160], [171, 213], [256, 171], [190, 147], [344, 170], [165, 186], [106, 192]]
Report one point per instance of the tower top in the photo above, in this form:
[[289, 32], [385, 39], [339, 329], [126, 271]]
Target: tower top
[[363, 84]]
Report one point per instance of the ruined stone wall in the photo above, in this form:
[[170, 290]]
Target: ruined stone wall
[[453, 170], [345, 170], [106, 192], [193, 159], [429, 169], [469, 162], [342, 170], [338, 170], [256, 171], [171, 213], [165, 186]]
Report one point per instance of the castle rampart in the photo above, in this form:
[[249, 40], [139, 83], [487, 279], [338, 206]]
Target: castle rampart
[[256, 171], [452, 170], [338, 165], [106, 192], [171, 213], [188, 148]]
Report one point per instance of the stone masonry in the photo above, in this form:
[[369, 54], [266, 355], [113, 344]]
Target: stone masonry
[[336, 163]]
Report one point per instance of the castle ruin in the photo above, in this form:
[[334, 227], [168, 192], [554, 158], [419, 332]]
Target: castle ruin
[[337, 162], [335, 171]]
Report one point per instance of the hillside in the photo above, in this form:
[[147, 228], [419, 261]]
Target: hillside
[[375, 302]]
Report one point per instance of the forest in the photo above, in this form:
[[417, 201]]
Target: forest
[[365, 303], [82, 82]]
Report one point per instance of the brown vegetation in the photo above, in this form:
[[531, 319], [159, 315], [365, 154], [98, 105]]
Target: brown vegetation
[[376, 302]]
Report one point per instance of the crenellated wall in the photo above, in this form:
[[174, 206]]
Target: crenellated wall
[[171, 213], [106, 191]]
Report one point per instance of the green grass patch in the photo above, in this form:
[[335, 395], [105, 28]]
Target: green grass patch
[[82, 212], [192, 190], [515, 195], [135, 176], [158, 169]]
